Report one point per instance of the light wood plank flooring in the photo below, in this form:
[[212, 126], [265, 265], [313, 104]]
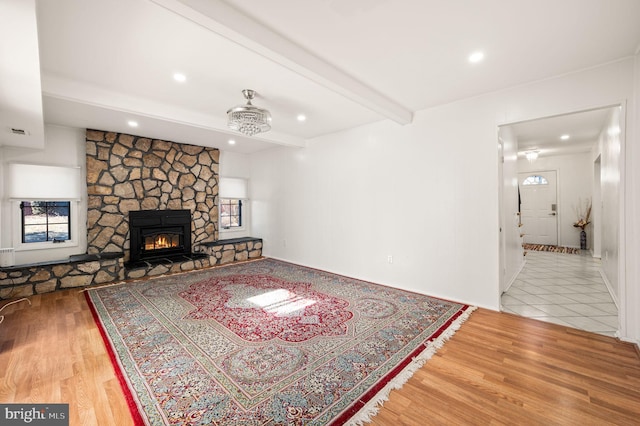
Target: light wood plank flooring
[[497, 369]]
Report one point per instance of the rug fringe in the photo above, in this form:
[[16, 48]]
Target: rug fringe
[[371, 408]]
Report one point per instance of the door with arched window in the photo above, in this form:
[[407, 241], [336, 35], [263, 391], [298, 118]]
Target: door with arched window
[[539, 208]]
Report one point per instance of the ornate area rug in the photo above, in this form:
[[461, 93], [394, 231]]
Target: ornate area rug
[[266, 343], [554, 249]]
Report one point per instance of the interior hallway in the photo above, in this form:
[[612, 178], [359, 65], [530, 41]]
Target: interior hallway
[[565, 289]]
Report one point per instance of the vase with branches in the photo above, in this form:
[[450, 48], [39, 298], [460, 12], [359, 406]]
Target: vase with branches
[[583, 212]]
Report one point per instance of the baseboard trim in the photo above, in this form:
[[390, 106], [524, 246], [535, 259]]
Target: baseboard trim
[[514, 277], [607, 283]]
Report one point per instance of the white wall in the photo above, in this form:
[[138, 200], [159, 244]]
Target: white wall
[[609, 150], [64, 146], [512, 255], [425, 193], [575, 183], [631, 290], [349, 200]]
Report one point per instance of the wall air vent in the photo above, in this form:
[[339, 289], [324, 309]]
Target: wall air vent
[[19, 131]]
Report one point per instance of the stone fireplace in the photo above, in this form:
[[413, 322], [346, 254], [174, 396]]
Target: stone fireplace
[[176, 188], [128, 173]]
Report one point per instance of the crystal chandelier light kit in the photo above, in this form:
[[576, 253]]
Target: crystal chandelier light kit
[[249, 119], [531, 155]]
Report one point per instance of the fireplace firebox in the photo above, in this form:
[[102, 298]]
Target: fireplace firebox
[[157, 234]]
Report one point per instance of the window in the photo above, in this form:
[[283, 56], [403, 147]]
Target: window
[[44, 221], [535, 180], [232, 192], [230, 213]]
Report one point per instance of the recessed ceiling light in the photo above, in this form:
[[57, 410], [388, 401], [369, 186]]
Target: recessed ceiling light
[[564, 137], [179, 77], [232, 142], [301, 117], [476, 57], [132, 123]]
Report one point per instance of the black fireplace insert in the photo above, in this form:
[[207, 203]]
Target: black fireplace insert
[[157, 234]]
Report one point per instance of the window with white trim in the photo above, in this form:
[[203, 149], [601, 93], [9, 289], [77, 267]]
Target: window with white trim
[[34, 229], [232, 192], [230, 213], [45, 205], [44, 221]]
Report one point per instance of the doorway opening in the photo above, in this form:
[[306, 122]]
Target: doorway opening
[[547, 195]]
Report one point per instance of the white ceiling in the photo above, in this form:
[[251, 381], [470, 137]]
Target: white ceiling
[[342, 63], [544, 135]]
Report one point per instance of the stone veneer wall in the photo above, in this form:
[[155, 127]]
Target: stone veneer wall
[[78, 271], [126, 172]]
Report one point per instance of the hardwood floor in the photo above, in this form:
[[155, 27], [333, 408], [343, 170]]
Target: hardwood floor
[[503, 369], [497, 369]]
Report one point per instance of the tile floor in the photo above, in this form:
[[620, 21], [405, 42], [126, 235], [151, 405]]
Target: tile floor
[[564, 289]]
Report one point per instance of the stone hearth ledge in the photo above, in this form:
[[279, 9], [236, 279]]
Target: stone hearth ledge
[[232, 250], [45, 277], [92, 269]]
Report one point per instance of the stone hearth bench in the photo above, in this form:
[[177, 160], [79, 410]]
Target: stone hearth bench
[[232, 250], [45, 277], [89, 269]]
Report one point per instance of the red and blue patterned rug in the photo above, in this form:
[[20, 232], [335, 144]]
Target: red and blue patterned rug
[[549, 248], [266, 343]]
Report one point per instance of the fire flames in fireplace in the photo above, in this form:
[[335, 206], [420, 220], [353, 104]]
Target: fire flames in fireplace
[[161, 241]]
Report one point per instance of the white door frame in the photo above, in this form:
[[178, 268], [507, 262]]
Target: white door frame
[[597, 208], [622, 249]]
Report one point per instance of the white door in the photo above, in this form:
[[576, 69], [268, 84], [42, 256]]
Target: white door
[[539, 208]]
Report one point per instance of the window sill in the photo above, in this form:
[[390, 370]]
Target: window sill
[[232, 230], [45, 246]]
